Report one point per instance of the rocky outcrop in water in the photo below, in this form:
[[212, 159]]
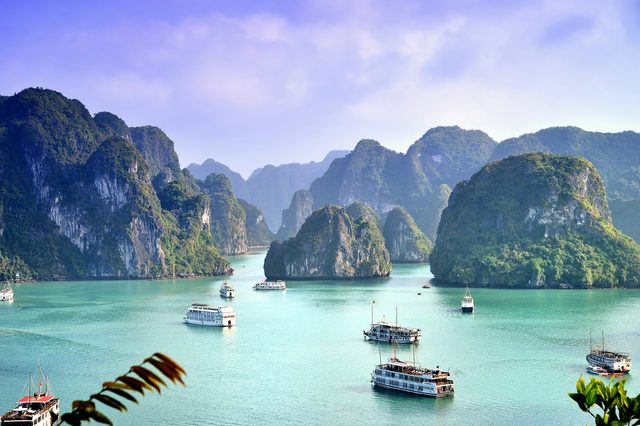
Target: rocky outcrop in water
[[293, 217], [330, 245], [404, 240], [534, 220]]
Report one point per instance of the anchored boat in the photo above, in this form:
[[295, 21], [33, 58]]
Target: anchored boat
[[467, 302], [207, 315], [408, 377], [270, 285], [40, 408], [384, 332], [227, 291], [613, 363]]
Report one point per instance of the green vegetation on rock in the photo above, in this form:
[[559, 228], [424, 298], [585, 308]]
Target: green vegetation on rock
[[419, 180], [405, 241], [258, 233], [76, 199], [227, 215], [330, 245], [534, 220]]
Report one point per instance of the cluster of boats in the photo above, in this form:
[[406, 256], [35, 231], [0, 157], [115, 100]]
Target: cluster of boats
[[42, 408], [405, 376], [400, 375], [223, 316]]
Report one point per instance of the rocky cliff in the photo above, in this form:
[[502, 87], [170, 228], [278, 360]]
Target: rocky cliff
[[227, 216], [404, 240], [330, 245], [294, 216], [534, 220], [76, 198], [258, 233]]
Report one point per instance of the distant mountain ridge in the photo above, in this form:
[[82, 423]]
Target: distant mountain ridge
[[270, 187], [421, 180]]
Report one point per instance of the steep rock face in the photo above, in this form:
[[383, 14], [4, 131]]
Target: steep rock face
[[76, 196], [293, 217], [258, 233], [419, 180], [330, 245], [112, 125], [404, 240], [190, 244], [367, 175], [227, 216], [157, 150], [118, 179], [448, 155], [535, 220]]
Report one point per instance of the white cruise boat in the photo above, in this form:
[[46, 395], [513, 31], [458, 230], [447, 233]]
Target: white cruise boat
[[227, 291], [40, 408], [384, 332], [615, 363], [408, 377], [207, 315], [6, 294], [270, 285], [467, 302]]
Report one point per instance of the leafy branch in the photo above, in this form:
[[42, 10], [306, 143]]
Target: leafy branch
[[617, 408], [138, 379]]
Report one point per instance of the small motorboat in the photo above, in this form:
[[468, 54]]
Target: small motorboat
[[600, 371]]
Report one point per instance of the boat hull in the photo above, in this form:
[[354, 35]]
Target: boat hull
[[208, 323], [398, 340], [467, 309], [377, 382]]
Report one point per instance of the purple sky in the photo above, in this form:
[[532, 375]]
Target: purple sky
[[249, 83]]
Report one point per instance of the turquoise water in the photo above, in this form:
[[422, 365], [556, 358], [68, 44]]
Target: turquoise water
[[298, 357]]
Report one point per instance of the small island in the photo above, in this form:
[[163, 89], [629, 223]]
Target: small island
[[533, 221], [332, 244]]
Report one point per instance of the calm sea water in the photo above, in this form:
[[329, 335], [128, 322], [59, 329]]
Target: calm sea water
[[298, 357]]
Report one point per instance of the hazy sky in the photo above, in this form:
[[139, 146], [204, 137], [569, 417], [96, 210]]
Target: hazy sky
[[255, 82]]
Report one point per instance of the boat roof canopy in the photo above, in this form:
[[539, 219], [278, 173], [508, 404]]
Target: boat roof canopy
[[45, 398]]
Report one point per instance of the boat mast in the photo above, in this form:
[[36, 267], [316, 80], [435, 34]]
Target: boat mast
[[372, 312], [396, 316], [414, 355], [603, 340]]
